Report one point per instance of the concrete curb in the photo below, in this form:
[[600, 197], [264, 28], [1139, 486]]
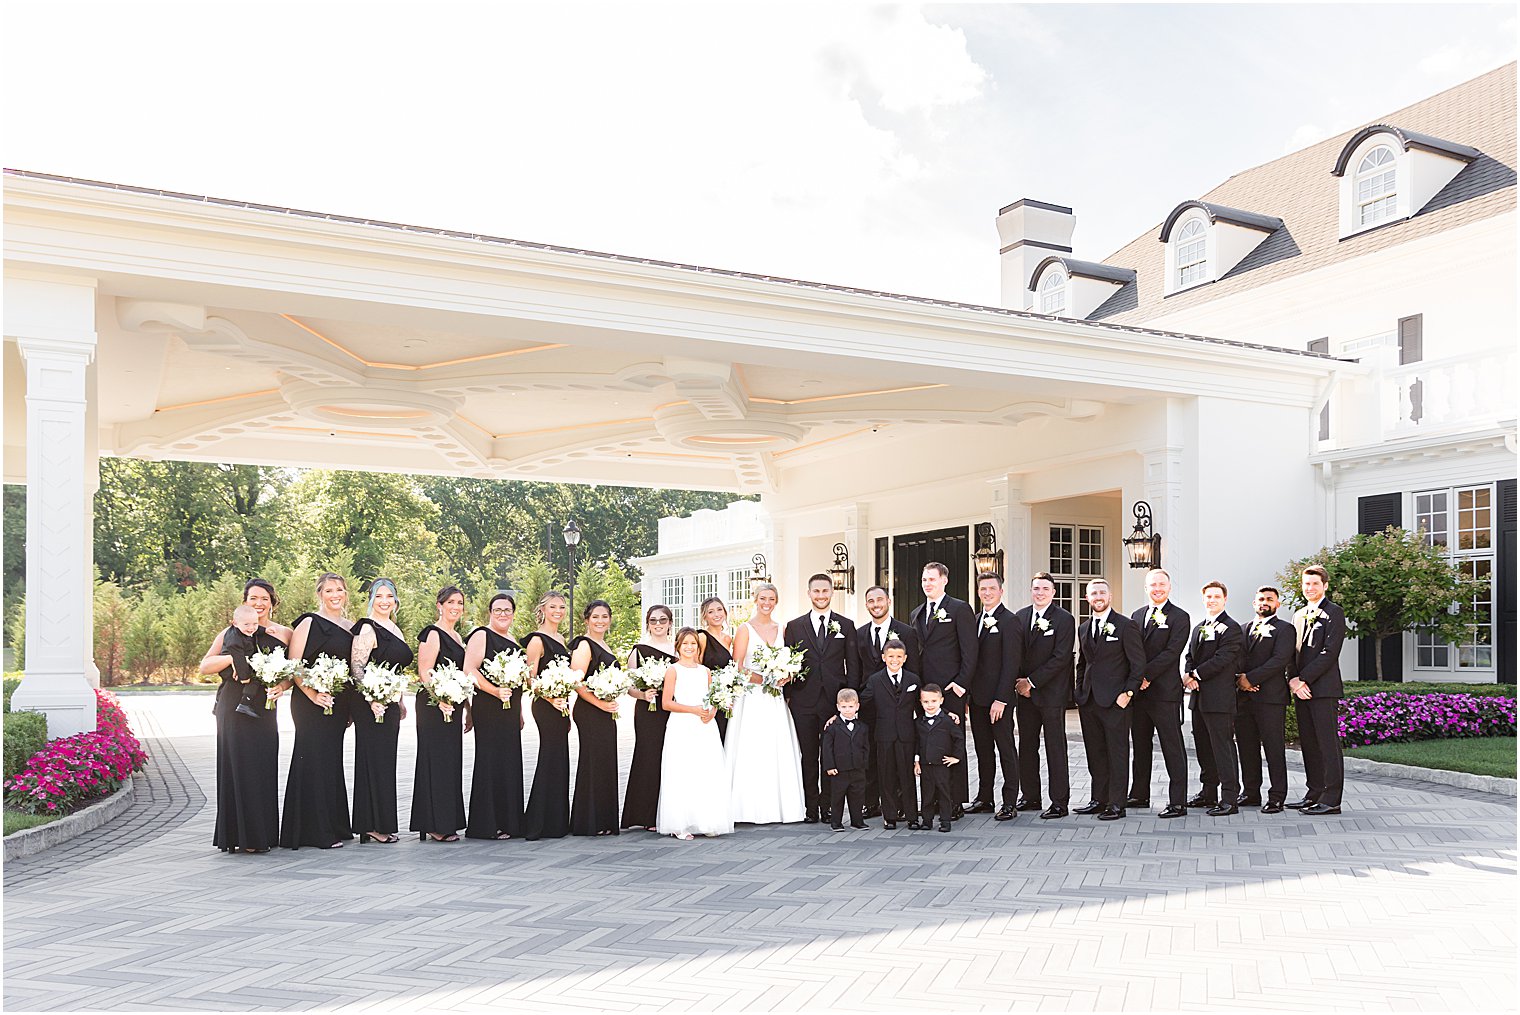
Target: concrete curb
[[35, 840], [1440, 777]]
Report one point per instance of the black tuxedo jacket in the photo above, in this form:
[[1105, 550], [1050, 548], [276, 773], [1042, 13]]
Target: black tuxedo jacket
[[943, 738], [891, 712], [1215, 662], [828, 664], [1046, 658], [844, 750], [1163, 650], [1318, 659], [997, 658], [1110, 664], [870, 659], [1267, 660], [949, 648]]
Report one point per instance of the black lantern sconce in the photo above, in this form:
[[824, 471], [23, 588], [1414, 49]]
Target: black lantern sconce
[[843, 572], [758, 574], [987, 558], [1143, 545]]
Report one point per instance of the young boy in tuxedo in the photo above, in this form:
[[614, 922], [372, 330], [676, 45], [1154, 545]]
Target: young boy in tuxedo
[[846, 751], [891, 702], [238, 643], [940, 741]]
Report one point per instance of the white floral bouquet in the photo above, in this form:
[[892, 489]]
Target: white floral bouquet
[[326, 675], [649, 675], [449, 684], [508, 670], [725, 688], [269, 668], [777, 663], [382, 683], [557, 681], [609, 684]]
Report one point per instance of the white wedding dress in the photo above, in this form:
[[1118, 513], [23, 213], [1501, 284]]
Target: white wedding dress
[[693, 789], [764, 760]]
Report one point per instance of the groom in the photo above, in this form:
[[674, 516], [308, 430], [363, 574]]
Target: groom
[[829, 662]]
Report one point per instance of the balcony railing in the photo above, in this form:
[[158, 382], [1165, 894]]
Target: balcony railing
[[1440, 396]]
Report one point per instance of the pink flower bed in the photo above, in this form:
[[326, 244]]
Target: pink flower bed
[[72, 771]]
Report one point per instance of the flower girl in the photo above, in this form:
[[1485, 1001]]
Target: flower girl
[[693, 777]]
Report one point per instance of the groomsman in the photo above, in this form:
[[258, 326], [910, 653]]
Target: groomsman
[[1213, 660], [1044, 684], [1110, 666], [999, 640], [1320, 629], [892, 695], [1157, 709], [947, 630], [870, 642], [1261, 703], [827, 640]]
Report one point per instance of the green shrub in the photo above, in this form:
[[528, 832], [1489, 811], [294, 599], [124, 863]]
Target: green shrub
[[12, 681], [25, 735]]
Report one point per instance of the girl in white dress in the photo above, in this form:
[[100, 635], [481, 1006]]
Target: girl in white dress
[[764, 760], [693, 779]]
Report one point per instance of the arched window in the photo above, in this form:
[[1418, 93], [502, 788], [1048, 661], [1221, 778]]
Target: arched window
[[1192, 253], [1376, 190], [1053, 292]]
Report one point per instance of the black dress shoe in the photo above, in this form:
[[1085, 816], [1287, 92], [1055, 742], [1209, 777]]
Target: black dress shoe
[[1004, 813], [1319, 809], [1135, 801], [1092, 808], [1203, 800], [859, 824], [979, 807], [1220, 810], [1173, 811], [1272, 807], [871, 812], [1053, 811], [1299, 805], [1111, 813], [1026, 804], [811, 819], [245, 710], [958, 813], [1248, 800], [836, 828], [944, 826], [914, 826], [889, 825]]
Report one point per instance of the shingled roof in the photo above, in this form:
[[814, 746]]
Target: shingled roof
[[1300, 189]]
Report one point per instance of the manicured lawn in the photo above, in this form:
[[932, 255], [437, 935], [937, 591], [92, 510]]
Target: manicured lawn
[[1478, 755], [15, 821]]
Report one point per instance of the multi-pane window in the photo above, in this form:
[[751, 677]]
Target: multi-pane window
[[1462, 521], [1053, 292], [1376, 194], [673, 595], [1076, 554], [702, 586], [1192, 252], [738, 588]]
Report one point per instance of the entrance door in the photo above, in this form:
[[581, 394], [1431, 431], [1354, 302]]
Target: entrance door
[[951, 547]]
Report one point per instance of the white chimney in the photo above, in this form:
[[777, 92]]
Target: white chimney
[[1030, 231]]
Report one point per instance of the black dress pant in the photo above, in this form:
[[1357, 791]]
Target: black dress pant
[[1105, 736], [809, 729], [937, 790], [1319, 736], [960, 775], [1152, 720], [849, 784], [894, 776], [994, 746], [1259, 729], [1049, 720], [1218, 768]]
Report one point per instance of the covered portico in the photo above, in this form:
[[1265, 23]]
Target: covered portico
[[163, 325]]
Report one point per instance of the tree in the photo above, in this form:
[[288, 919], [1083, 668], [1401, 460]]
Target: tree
[[144, 651], [530, 580], [1390, 582], [373, 515], [607, 580], [112, 613], [13, 531]]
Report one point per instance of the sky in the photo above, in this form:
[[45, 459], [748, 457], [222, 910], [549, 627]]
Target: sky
[[859, 145]]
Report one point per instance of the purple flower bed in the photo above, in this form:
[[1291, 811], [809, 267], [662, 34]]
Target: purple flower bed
[[1391, 717]]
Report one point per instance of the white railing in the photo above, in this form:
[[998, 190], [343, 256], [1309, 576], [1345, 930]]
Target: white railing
[[1445, 395]]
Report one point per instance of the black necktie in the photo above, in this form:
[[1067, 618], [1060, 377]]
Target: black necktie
[[928, 612], [895, 686], [876, 637], [820, 628], [1095, 629]]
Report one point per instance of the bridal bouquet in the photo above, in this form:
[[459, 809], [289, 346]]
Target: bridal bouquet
[[650, 676], [508, 670], [726, 687], [557, 681], [326, 675], [381, 684], [449, 684], [777, 663], [609, 684], [269, 668]]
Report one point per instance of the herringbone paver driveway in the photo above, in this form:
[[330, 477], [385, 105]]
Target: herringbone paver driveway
[[1406, 902]]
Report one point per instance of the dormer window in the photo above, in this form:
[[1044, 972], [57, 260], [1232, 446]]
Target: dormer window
[[1388, 174], [1053, 292], [1192, 253], [1376, 190], [1205, 242]]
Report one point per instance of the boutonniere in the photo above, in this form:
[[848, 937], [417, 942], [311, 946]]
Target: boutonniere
[[989, 623], [1158, 619], [1262, 629], [1108, 629], [1314, 615], [1208, 631], [1042, 624], [834, 628], [940, 615]]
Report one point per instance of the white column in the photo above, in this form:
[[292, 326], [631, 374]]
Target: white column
[[53, 324], [1162, 486], [857, 539], [1013, 518]]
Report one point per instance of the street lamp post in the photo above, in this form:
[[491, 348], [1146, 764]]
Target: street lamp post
[[572, 538]]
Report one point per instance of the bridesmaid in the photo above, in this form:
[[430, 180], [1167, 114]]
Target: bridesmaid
[[548, 813], [377, 639], [717, 647], [496, 789], [438, 785], [642, 801], [316, 798], [247, 750], [595, 811]]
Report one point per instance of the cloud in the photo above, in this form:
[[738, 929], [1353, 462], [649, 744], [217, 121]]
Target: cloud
[[1305, 135], [1460, 61]]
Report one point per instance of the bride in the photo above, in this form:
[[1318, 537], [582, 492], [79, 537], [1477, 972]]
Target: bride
[[764, 761]]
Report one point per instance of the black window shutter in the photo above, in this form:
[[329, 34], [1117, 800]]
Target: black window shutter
[[1322, 345], [883, 562], [1374, 514], [1504, 585], [1412, 350]]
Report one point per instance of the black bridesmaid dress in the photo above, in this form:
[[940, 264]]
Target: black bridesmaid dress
[[641, 804], [247, 766], [375, 743], [496, 788], [316, 795], [715, 657], [438, 785], [595, 810], [548, 813]]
